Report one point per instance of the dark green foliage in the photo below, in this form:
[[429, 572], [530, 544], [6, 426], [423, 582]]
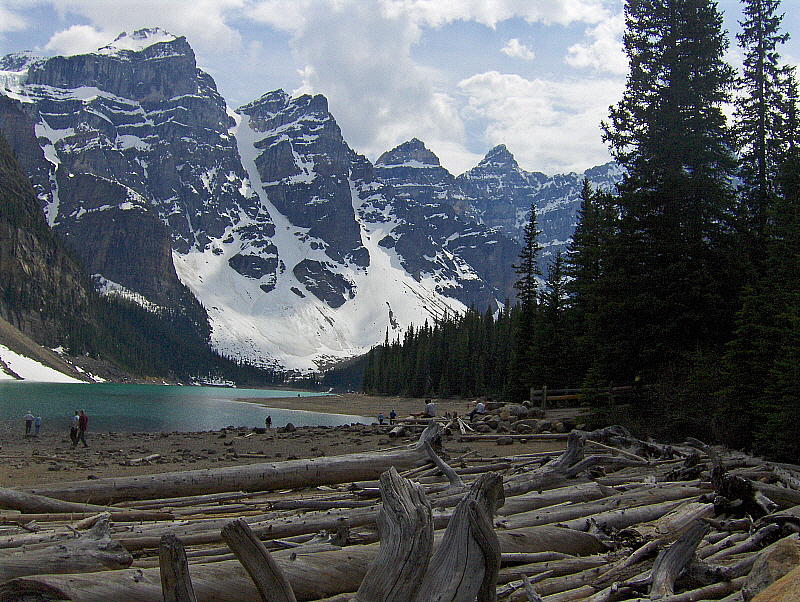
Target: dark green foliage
[[762, 108], [462, 356], [669, 133]]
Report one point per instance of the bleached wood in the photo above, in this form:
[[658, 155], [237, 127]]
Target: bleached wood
[[249, 477], [176, 584], [674, 559], [466, 563], [405, 525], [268, 577], [94, 550]]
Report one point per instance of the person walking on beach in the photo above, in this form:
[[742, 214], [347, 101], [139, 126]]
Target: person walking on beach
[[392, 416], [28, 423], [37, 424], [73, 428], [83, 426]]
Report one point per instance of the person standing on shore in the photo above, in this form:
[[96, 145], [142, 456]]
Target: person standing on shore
[[37, 424], [28, 423], [83, 426], [73, 428]]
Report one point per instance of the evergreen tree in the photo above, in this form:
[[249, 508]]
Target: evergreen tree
[[518, 379], [674, 204], [762, 107], [527, 269]]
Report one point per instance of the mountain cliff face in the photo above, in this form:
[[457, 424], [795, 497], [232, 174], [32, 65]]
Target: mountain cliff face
[[300, 250], [42, 289], [497, 193]]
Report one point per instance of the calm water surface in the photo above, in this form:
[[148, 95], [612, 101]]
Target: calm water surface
[[151, 408]]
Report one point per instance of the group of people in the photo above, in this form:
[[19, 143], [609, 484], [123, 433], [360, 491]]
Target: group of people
[[32, 423], [430, 412], [79, 424], [382, 418]]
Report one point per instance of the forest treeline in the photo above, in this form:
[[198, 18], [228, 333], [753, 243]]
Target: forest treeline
[[685, 280]]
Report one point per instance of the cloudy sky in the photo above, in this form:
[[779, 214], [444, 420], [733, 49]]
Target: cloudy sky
[[462, 75]]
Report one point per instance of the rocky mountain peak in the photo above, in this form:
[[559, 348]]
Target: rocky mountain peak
[[499, 156], [139, 40], [412, 153], [19, 61]]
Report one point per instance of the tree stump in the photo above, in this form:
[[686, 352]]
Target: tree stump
[[405, 525], [465, 566]]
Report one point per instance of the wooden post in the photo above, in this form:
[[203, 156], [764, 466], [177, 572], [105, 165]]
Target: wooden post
[[176, 584], [544, 397]]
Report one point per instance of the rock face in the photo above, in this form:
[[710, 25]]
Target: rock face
[[298, 252], [42, 289], [299, 249], [497, 193]]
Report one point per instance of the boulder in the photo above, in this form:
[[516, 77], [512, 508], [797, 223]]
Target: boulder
[[505, 441], [773, 563], [785, 589], [482, 427], [518, 410]]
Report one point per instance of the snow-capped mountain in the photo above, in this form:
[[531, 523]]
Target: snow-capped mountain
[[497, 192], [297, 251]]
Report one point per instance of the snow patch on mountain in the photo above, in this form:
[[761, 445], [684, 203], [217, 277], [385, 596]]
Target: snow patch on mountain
[[137, 41], [25, 368]]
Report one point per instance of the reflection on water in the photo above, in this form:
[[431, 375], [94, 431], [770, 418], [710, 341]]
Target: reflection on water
[[117, 407]]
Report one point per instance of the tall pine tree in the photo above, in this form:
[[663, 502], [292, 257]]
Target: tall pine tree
[[519, 377], [762, 108], [675, 201]]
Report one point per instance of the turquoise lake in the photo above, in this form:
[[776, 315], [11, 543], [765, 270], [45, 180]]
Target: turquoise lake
[[153, 408]]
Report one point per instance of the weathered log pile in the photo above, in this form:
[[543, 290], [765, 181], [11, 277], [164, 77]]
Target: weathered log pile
[[609, 518]]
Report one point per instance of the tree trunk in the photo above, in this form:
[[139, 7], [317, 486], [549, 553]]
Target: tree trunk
[[312, 576], [39, 504], [94, 550], [405, 525], [265, 573], [249, 477], [176, 585], [466, 564]]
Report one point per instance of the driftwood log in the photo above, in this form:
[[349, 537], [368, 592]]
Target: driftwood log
[[176, 585], [405, 525], [270, 581], [93, 550], [467, 561], [548, 542], [249, 477]]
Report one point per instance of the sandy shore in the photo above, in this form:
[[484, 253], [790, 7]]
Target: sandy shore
[[51, 458], [359, 404]]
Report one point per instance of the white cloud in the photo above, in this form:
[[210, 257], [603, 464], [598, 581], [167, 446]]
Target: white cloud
[[436, 13], [203, 22], [360, 59], [550, 126], [78, 39], [603, 50], [10, 21], [516, 49], [286, 15]]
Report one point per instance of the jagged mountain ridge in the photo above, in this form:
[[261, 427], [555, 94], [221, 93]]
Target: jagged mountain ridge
[[497, 192], [299, 254]]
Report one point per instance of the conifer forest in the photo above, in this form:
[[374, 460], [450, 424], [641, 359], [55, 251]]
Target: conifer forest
[[684, 282]]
